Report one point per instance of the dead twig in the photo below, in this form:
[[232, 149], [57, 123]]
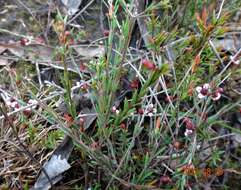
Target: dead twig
[[79, 13], [140, 8]]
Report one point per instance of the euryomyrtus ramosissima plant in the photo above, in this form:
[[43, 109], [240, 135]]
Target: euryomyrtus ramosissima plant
[[167, 113], [206, 91]]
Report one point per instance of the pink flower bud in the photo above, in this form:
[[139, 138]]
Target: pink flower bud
[[165, 179], [24, 41], [134, 84], [123, 126], [189, 124], [39, 40], [148, 64], [141, 111], [106, 33]]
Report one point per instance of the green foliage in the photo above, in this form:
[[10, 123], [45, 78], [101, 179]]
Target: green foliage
[[50, 141], [32, 132]]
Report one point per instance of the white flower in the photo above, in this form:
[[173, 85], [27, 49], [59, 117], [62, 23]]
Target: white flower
[[26, 77], [32, 102], [28, 109], [201, 96], [9, 103], [236, 62], [206, 86], [150, 114], [154, 110], [113, 109], [14, 104], [188, 132], [151, 109], [203, 90], [198, 89], [216, 96]]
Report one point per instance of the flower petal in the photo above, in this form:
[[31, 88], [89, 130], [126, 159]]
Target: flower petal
[[206, 86], [216, 97], [188, 132], [198, 89], [201, 96], [236, 62]]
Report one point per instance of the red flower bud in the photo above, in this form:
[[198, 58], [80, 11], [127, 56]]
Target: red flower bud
[[82, 67], [113, 109], [24, 41], [148, 64], [219, 90], [94, 145], [81, 121], [39, 40], [204, 91], [141, 111], [27, 113], [123, 126], [84, 86], [17, 106], [165, 179], [189, 124], [82, 129], [68, 118], [177, 145], [106, 33], [18, 82], [134, 84], [67, 33], [71, 41], [12, 100]]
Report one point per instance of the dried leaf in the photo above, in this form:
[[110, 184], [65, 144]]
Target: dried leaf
[[204, 16], [2, 49], [197, 61], [3, 62], [54, 168], [158, 123], [89, 51], [14, 48], [237, 138], [72, 6], [37, 52]]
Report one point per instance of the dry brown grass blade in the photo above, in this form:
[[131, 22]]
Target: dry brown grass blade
[[24, 148]]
